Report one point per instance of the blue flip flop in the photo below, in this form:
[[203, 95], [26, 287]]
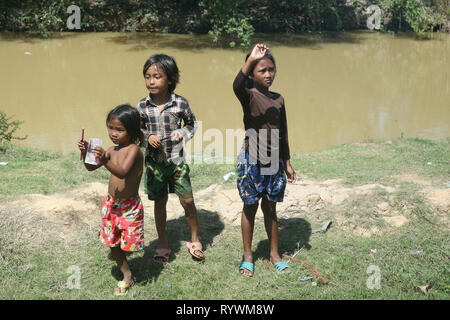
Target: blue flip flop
[[280, 266], [248, 266]]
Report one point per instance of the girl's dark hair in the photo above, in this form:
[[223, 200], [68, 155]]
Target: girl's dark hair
[[169, 66], [267, 55], [131, 120]]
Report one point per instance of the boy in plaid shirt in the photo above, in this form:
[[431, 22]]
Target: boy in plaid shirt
[[161, 114]]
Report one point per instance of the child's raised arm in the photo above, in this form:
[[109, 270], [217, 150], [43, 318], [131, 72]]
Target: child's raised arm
[[120, 170], [239, 83]]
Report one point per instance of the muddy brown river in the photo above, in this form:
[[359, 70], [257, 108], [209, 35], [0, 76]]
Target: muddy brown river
[[339, 88]]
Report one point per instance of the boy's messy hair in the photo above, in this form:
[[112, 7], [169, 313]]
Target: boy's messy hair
[[169, 66], [267, 55], [131, 120]]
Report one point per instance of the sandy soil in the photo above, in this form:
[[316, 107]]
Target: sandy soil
[[365, 210]]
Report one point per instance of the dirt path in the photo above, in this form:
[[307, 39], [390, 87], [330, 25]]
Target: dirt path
[[365, 210]]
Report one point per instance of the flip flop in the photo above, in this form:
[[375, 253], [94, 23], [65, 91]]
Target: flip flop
[[248, 266], [280, 266], [123, 285], [162, 255], [193, 247]]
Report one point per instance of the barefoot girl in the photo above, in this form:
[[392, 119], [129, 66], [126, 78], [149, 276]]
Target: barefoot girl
[[122, 227]]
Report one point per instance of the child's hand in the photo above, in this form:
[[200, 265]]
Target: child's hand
[[290, 173], [154, 141], [100, 154], [258, 51], [83, 145]]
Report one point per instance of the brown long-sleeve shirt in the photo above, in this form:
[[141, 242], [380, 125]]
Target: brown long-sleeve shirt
[[263, 112]]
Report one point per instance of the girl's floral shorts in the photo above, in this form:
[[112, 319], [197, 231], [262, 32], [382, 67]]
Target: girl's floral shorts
[[253, 185], [122, 223]]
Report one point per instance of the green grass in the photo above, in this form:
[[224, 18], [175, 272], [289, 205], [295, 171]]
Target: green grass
[[41, 272], [203, 175], [377, 162], [38, 269], [37, 171]]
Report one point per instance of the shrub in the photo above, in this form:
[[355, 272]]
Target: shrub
[[7, 129]]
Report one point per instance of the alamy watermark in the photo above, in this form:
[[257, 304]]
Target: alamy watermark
[[374, 281], [263, 147], [74, 20], [258, 140], [74, 280], [374, 21]]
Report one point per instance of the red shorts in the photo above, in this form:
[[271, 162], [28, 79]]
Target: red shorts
[[122, 223]]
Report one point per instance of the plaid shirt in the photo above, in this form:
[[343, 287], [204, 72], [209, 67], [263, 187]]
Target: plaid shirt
[[163, 124]]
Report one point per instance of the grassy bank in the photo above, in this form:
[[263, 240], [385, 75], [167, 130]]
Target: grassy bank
[[35, 270], [38, 171]]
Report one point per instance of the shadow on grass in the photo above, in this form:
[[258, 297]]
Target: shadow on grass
[[293, 234], [146, 270]]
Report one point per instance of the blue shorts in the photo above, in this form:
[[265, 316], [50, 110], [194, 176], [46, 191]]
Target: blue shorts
[[253, 185]]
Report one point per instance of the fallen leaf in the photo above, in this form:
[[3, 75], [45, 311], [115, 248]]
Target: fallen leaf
[[425, 288]]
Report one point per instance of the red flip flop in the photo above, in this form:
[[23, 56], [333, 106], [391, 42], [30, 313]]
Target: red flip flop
[[194, 249]]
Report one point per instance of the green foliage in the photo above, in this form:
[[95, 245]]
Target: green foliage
[[233, 22], [421, 18], [239, 20], [7, 129], [50, 17], [227, 21], [413, 15], [242, 30]]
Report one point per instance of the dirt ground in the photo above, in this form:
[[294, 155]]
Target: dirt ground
[[365, 210]]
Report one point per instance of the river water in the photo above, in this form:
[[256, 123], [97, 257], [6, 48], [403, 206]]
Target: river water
[[339, 88]]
